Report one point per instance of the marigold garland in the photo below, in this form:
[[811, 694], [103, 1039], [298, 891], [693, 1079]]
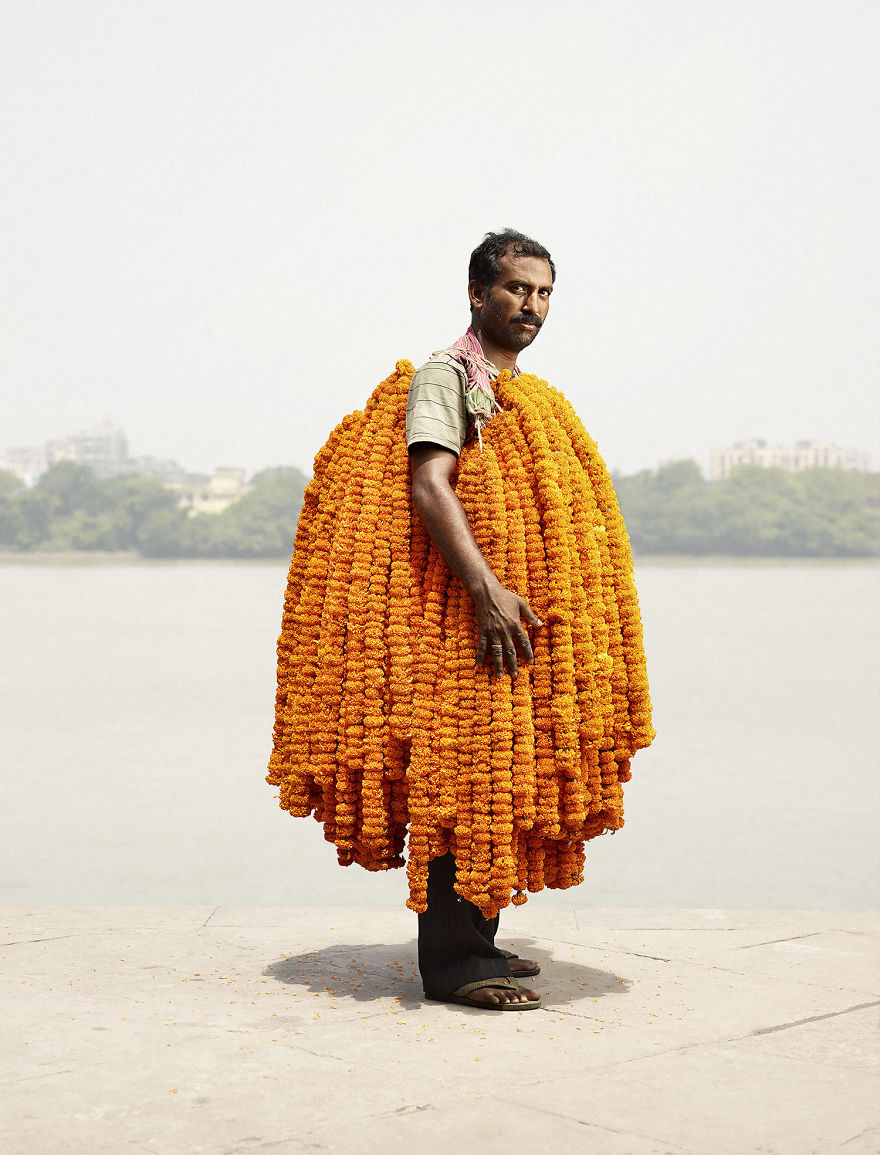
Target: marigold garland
[[385, 729]]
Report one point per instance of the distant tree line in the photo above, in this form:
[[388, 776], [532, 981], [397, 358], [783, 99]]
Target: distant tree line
[[71, 509], [754, 512], [670, 510]]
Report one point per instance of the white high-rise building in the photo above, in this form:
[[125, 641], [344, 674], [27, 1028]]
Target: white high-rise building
[[104, 449], [803, 455], [26, 461]]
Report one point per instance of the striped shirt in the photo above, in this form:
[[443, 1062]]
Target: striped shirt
[[435, 409]]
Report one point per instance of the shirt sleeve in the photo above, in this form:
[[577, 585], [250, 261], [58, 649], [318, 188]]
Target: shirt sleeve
[[435, 410]]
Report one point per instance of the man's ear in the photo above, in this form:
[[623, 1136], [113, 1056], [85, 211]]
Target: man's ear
[[476, 294]]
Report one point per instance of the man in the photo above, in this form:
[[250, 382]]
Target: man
[[413, 707], [510, 279]]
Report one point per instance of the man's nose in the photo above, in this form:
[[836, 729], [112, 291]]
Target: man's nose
[[530, 305]]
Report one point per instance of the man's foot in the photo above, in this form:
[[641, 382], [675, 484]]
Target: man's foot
[[501, 994], [523, 967], [495, 995]]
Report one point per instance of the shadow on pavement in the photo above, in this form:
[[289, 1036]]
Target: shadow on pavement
[[354, 970], [369, 971]]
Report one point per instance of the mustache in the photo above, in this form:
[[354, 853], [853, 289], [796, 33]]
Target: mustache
[[527, 319]]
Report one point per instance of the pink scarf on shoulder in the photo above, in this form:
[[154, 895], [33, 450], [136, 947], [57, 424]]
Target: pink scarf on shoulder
[[479, 397]]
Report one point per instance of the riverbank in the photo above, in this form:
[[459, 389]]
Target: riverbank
[[132, 557], [664, 1032], [87, 557]]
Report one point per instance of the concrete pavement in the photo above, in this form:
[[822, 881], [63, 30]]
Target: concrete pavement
[[171, 1030]]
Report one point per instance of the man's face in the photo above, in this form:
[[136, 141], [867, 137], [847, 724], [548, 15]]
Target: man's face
[[511, 312]]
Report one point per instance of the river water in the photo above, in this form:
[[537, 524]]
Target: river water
[[137, 708]]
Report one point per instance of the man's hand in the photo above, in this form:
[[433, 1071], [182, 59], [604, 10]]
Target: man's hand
[[499, 610], [499, 618]]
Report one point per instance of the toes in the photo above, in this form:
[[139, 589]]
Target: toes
[[495, 997]]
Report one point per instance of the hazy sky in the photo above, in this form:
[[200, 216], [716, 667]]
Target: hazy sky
[[223, 221]]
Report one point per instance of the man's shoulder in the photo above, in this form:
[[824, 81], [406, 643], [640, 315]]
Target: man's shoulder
[[440, 367]]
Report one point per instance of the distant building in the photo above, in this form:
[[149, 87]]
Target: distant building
[[213, 494], [162, 468], [104, 449], [26, 461], [804, 455]]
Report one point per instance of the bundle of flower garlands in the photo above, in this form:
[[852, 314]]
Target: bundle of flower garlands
[[386, 728]]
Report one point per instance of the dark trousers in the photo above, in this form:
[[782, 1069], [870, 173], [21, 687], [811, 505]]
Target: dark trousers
[[456, 944]]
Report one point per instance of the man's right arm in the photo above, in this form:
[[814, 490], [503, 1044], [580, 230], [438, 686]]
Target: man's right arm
[[499, 610]]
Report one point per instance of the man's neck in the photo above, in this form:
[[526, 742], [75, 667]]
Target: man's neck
[[500, 358]]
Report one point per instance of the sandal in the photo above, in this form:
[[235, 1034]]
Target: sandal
[[462, 996], [521, 974]]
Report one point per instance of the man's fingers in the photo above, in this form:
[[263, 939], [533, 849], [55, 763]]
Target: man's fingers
[[503, 639], [529, 614], [525, 645]]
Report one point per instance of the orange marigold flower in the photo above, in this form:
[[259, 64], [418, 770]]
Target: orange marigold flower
[[386, 730]]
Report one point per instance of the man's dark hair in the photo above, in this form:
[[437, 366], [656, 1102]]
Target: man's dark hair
[[485, 264]]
